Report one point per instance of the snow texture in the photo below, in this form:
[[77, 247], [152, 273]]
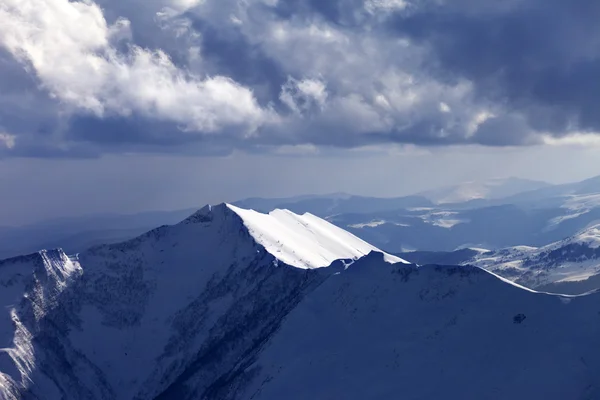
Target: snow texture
[[573, 259], [230, 304], [305, 241]]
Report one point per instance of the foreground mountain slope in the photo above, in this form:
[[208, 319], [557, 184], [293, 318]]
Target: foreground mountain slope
[[35, 299], [233, 304], [127, 320], [431, 333]]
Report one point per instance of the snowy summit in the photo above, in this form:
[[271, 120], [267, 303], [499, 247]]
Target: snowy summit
[[231, 304], [305, 241]]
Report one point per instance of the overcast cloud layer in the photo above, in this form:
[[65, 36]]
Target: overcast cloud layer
[[83, 78]]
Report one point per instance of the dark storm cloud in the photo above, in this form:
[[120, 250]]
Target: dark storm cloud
[[135, 134], [539, 57], [228, 52], [24, 108], [260, 74]]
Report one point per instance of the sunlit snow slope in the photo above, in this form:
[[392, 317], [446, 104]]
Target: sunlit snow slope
[[305, 241]]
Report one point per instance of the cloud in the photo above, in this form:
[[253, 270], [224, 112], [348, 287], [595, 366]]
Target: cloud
[[301, 96], [7, 140], [583, 140], [211, 76], [74, 53], [374, 6], [538, 57]]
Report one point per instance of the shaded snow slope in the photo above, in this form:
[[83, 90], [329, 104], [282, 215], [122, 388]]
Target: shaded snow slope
[[385, 332], [305, 241], [33, 289], [125, 321], [203, 310]]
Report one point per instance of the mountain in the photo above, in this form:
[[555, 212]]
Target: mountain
[[446, 229], [585, 187], [490, 189], [532, 218], [568, 266], [429, 333], [77, 234], [234, 304], [567, 195], [127, 320], [573, 259]]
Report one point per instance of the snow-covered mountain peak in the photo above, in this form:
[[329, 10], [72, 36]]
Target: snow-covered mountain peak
[[208, 213], [305, 241], [589, 237], [230, 305], [302, 241]]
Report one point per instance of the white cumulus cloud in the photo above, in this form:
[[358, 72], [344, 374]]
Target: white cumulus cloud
[[72, 50]]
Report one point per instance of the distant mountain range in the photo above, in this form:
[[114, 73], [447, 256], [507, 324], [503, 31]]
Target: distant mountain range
[[483, 190], [231, 304], [538, 215], [79, 233], [327, 205], [569, 266]]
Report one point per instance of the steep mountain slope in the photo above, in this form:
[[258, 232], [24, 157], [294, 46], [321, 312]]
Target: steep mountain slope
[[35, 298], [126, 321], [233, 304], [573, 287], [430, 333]]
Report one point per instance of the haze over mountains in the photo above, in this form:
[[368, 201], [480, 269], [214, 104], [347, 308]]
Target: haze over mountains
[[234, 304], [486, 190], [514, 228], [536, 217]]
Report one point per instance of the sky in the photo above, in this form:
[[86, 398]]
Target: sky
[[127, 106]]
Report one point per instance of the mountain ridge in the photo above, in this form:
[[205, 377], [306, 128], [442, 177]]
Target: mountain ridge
[[119, 294], [490, 189], [202, 309]]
